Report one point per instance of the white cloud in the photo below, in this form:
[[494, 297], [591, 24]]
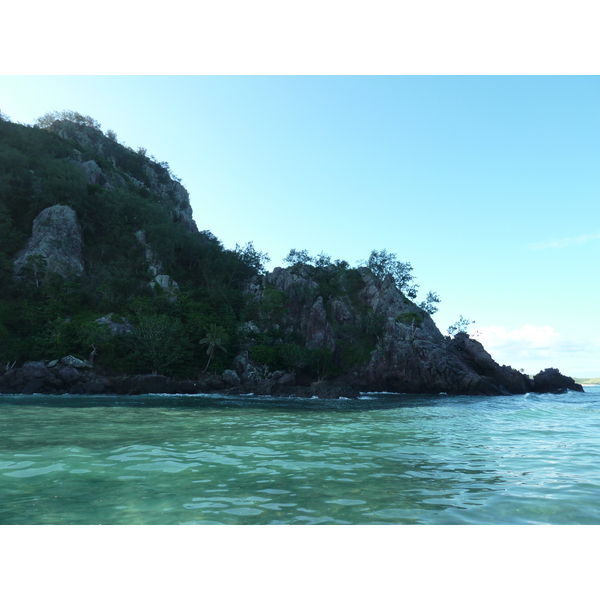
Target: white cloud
[[564, 242], [527, 337], [535, 348]]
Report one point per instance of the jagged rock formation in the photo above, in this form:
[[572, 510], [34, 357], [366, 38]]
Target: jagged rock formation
[[395, 346], [56, 237], [551, 380], [149, 174]]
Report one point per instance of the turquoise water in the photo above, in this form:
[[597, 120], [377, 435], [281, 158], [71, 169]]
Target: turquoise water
[[380, 459]]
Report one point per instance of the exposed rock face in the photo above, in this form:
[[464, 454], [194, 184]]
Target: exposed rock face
[[230, 378], [170, 192], [475, 356], [71, 361], [116, 328], [408, 352], [93, 174], [551, 381], [57, 238]]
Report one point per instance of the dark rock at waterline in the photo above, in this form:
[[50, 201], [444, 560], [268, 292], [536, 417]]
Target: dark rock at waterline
[[290, 391], [189, 387], [153, 384], [33, 386], [287, 379], [215, 383], [485, 377], [69, 375], [231, 378], [332, 390], [553, 382], [495, 379], [266, 388], [13, 380], [34, 370], [121, 386], [53, 383], [93, 387]]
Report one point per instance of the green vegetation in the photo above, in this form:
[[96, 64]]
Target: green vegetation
[[460, 326], [43, 316], [202, 326], [410, 318], [587, 381], [216, 337]]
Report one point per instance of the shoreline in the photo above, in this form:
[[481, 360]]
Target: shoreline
[[73, 376]]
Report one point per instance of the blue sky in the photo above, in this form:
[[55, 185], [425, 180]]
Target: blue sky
[[487, 185]]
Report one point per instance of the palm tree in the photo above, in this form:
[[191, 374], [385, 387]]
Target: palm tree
[[216, 337]]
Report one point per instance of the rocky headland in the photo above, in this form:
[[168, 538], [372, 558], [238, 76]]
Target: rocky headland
[[108, 236], [389, 343]]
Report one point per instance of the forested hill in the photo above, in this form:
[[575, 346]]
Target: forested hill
[[143, 260], [104, 275]]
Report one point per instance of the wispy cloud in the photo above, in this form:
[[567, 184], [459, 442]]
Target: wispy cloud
[[564, 242]]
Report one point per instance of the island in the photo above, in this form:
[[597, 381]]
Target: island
[[107, 286]]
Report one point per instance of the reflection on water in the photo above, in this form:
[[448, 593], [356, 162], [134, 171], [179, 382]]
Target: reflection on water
[[379, 459]]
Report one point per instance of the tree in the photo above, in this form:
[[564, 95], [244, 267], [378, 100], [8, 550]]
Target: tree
[[382, 263], [34, 269], [159, 341], [302, 257], [460, 326], [298, 257], [216, 337], [47, 120], [252, 258], [428, 305]]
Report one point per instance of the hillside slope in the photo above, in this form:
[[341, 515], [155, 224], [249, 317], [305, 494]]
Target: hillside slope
[[103, 266]]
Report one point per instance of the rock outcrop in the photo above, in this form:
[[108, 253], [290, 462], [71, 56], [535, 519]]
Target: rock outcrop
[[55, 245], [153, 176], [552, 381], [387, 342], [116, 327]]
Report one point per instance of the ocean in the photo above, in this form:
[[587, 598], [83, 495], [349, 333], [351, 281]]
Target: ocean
[[390, 459]]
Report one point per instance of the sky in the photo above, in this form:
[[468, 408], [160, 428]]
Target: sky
[[487, 185], [481, 179]]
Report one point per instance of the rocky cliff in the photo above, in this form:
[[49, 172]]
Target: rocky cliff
[[134, 167], [76, 205], [377, 339]]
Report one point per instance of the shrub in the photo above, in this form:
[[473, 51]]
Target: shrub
[[410, 318]]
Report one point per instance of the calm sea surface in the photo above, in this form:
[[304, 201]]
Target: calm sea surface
[[380, 459]]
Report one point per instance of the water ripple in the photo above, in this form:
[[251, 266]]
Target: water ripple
[[381, 459]]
